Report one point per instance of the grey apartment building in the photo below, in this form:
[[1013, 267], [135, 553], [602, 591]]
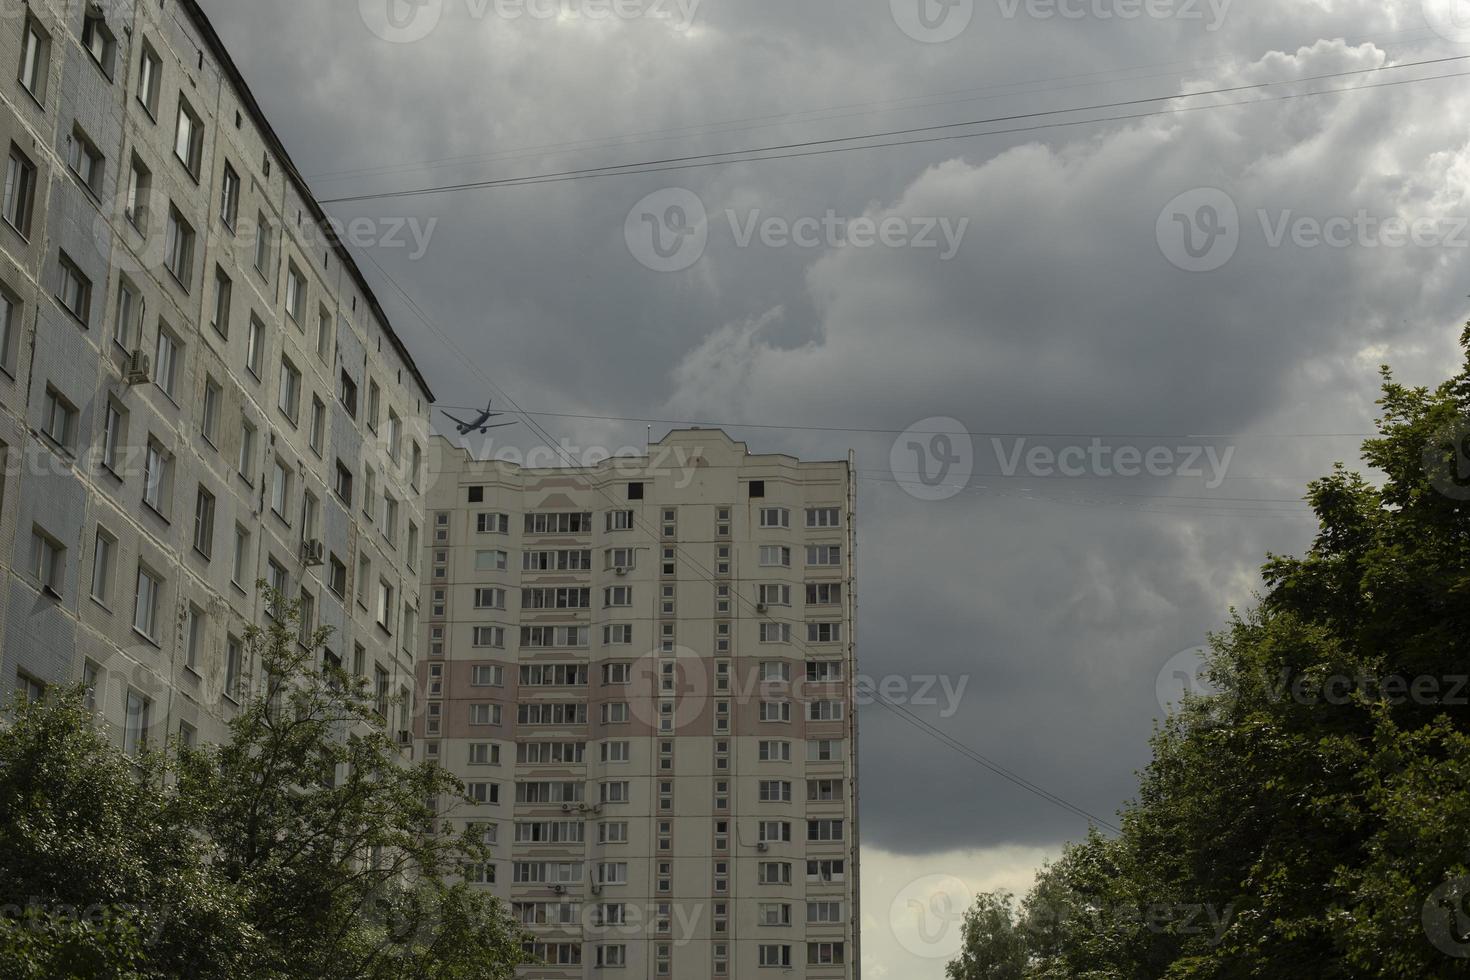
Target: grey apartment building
[[198, 390], [643, 670]]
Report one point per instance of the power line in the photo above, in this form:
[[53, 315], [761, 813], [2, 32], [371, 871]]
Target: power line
[[696, 423], [923, 101], [827, 146], [880, 697]]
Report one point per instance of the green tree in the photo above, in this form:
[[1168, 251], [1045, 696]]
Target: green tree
[[351, 869], [100, 873], [1313, 818], [302, 847]]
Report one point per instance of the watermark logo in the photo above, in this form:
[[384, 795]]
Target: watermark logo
[[401, 21], [671, 690], [1199, 230], [1447, 461], [1446, 918], [407, 21], [1212, 12], [668, 230], [927, 916], [1450, 19], [932, 21], [1184, 676], [933, 459]]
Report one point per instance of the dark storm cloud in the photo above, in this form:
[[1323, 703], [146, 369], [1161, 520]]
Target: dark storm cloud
[[1060, 312]]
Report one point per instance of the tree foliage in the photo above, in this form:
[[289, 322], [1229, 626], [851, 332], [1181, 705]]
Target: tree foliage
[[302, 847], [1312, 819]]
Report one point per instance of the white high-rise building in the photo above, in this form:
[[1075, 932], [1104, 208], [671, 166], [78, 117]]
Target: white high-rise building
[[198, 389], [644, 673]]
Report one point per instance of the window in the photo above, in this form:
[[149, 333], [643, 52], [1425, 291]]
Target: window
[[135, 725], [9, 331], [234, 655], [204, 523], [145, 604], [385, 605], [193, 636], [390, 519], [489, 598], [492, 523], [774, 595], [318, 432], [295, 293], [824, 554], [374, 397], [347, 394], [491, 561], [140, 190], [774, 914], [209, 411], [246, 463], [229, 198], [166, 364], [86, 161], [48, 562], [35, 59], [775, 556], [20, 191], [774, 873], [775, 791], [343, 483], [775, 751], [102, 561], [824, 711], [485, 714], [99, 41], [288, 398], [395, 430], [324, 334], [224, 289], [337, 577], [189, 138], [824, 632], [823, 594], [60, 421], [240, 563], [150, 78], [74, 290], [823, 517], [255, 346], [775, 517], [281, 489], [263, 233], [775, 711], [179, 248], [487, 675], [824, 953], [823, 831], [775, 632], [620, 520]]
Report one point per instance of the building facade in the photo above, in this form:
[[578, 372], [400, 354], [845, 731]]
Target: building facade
[[198, 389], [643, 671]]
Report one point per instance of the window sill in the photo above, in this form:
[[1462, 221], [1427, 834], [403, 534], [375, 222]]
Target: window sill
[[193, 672], [100, 605], [238, 587], [22, 235], [147, 639], [156, 512]]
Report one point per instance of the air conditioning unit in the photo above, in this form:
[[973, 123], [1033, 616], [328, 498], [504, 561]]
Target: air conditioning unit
[[763, 847], [313, 552], [566, 808], [621, 570], [761, 607], [558, 889], [140, 368]]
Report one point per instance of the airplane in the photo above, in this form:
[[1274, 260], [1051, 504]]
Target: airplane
[[465, 428]]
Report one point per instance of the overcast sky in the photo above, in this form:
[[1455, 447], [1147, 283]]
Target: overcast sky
[[1144, 281]]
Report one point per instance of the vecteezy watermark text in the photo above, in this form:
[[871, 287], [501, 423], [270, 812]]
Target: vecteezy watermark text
[[1201, 230], [406, 21], [669, 230], [935, 459], [937, 21]]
